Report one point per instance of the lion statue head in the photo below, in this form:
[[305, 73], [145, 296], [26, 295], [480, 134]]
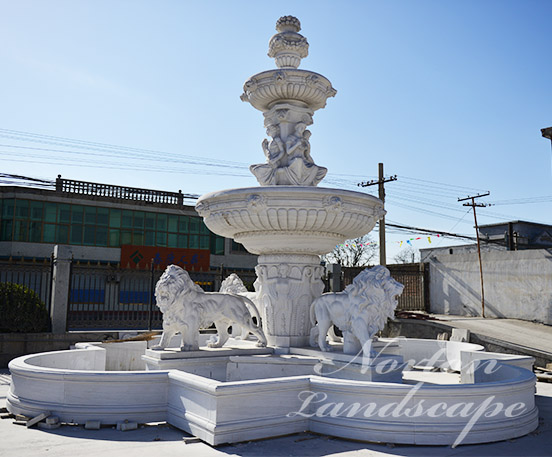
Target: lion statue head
[[173, 284], [360, 311], [375, 289], [233, 285]]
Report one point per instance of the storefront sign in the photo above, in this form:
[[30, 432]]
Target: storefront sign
[[141, 257]]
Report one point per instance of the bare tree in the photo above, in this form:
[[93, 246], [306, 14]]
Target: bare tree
[[407, 255], [353, 253]]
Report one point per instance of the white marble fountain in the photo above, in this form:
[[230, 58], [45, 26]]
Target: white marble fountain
[[223, 389]]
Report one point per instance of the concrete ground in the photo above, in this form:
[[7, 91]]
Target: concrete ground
[[531, 334], [530, 338], [160, 439]]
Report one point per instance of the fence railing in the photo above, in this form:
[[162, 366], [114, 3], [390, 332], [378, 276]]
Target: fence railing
[[104, 297], [36, 276], [121, 192], [108, 298], [414, 277]]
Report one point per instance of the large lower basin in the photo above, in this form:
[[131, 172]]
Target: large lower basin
[[491, 404]]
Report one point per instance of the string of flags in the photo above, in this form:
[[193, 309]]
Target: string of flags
[[400, 243]]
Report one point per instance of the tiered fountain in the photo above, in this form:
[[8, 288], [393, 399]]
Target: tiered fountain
[[288, 221], [242, 392]]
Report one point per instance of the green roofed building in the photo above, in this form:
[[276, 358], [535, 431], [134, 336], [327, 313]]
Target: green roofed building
[[112, 224]]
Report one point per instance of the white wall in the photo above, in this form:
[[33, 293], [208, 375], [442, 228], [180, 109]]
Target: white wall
[[518, 284]]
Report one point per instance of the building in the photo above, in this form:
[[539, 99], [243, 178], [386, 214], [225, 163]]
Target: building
[[112, 224], [518, 235], [504, 236]]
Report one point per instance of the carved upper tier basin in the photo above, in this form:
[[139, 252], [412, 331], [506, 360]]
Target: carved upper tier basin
[[302, 87], [289, 219]]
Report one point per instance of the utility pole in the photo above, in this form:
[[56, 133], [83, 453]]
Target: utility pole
[[478, 205], [381, 191]]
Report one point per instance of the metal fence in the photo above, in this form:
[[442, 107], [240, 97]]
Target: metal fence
[[414, 277], [34, 275], [105, 297]]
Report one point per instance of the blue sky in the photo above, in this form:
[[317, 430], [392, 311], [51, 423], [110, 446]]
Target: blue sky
[[449, 95]]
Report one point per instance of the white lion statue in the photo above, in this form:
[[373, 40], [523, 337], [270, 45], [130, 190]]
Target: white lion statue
[[234, 285], [186, 308], [360, 311]]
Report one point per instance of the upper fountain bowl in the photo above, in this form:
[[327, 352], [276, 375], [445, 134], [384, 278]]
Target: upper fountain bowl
[[289, 219], [301, 87]]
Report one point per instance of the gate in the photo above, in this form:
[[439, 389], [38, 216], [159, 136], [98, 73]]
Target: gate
[[414, 277]]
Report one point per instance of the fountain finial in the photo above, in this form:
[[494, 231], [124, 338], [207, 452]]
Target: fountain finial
[[288, 46]]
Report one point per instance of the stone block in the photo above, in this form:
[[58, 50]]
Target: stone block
[[46, 426], [52, 420], [92, 425], [37, 419], [126, 426], [460, 334]]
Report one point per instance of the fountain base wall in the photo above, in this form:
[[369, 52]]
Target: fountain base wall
[[72, 386]]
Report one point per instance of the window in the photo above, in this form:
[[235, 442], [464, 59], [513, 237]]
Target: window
[[77, 214], [114, 238], [172, 240], [7, 228], [22, 209], [138, 220], [36, 210], [86, 225], [50, 212], [8, 208], [35, 232], [161, 222], [194, 224], [182, 241], [101, 236], [89, 235], [138, 237], [21, 231], [150, 238], [115, 218], [150, 221], [173, 223], [102, 216], [183, 224], [126, 237], [62, 234], [161, 239], [76, 234], [64, 214], [49, 234], [126, 221], [217, 245]]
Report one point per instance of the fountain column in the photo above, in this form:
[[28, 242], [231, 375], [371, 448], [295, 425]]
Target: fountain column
[[288, 221]]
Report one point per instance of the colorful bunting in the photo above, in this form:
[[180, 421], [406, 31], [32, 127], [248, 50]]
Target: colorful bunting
[[409, 242]]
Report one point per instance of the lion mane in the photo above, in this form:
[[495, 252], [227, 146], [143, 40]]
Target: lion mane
[[360, 311], [186, 308]]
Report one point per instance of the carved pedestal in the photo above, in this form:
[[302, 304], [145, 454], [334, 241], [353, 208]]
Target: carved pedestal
[[287, 285]]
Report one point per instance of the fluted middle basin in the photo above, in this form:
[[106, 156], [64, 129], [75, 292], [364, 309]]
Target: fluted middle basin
[[289, 219]]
